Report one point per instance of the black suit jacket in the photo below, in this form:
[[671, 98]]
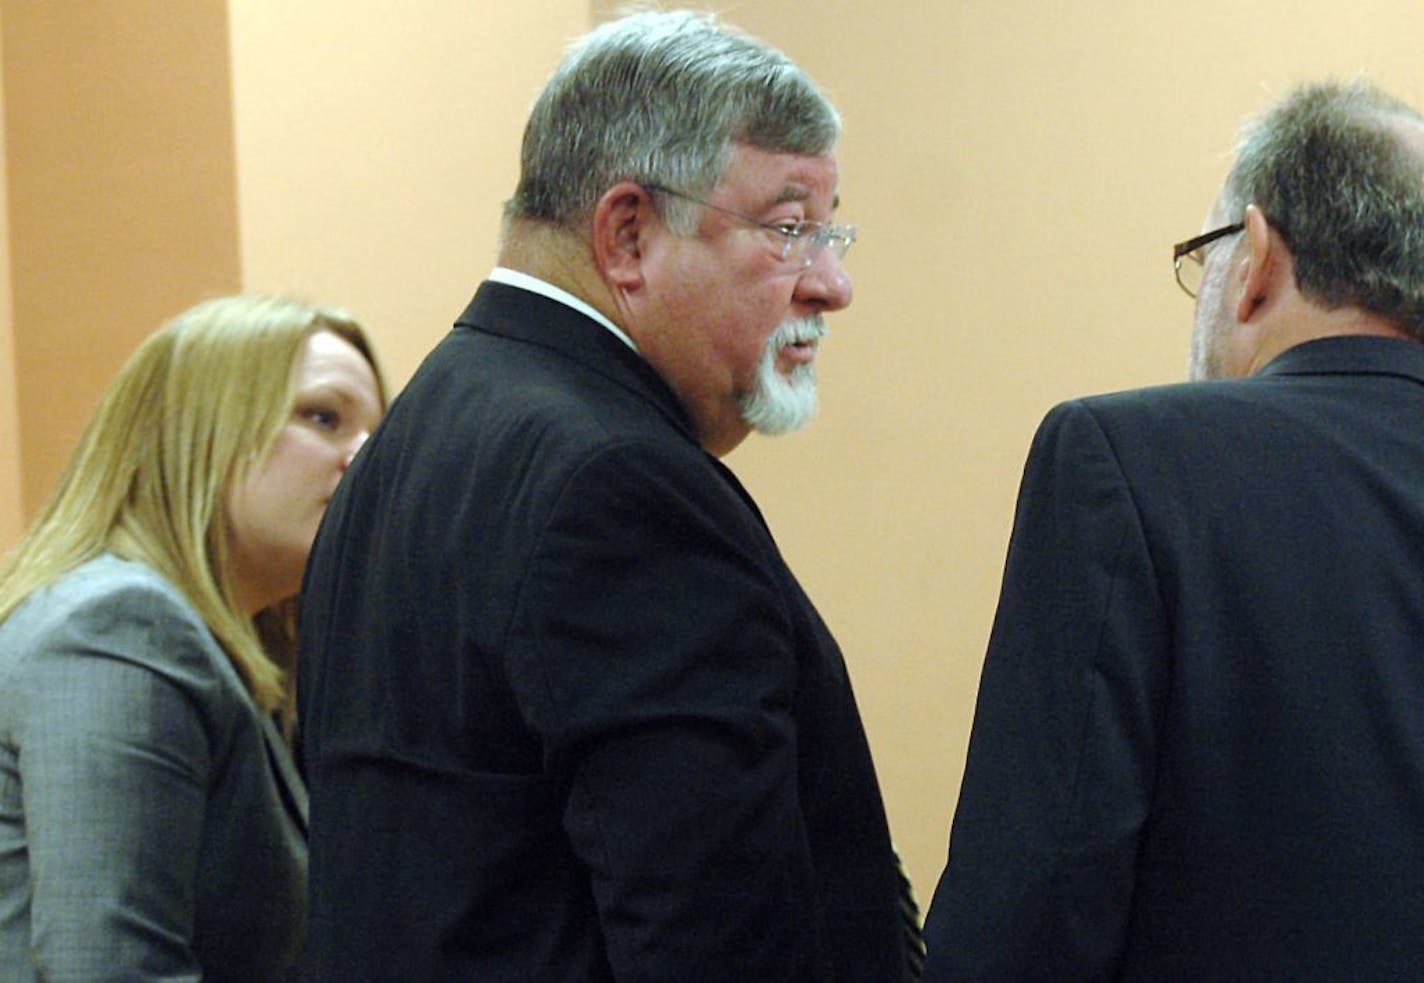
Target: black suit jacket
[[567, 715], [1198, 752]]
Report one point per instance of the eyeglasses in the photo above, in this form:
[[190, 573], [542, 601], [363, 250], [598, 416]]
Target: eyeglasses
[[801, 242], [1189, 258]]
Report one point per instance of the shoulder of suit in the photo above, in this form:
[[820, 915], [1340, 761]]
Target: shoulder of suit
[[113, 608], [111, 581]]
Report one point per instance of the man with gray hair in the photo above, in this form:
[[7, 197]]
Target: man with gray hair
[[567, 714], [1198, 751]]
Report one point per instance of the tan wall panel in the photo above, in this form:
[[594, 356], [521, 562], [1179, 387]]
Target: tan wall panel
[[1018, 169], [122, 211], [377, 142]]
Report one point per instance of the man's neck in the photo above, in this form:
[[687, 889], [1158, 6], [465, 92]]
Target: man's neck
[[1311, 322], [557, 257]]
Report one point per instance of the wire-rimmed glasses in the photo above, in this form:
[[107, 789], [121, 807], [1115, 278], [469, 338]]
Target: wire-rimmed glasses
[[801, 241], [1189, 258]]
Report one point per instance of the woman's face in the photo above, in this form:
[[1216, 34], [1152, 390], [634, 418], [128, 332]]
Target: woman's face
[[274, 509]]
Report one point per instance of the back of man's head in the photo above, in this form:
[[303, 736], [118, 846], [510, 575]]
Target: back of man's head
[[1338, 171], [660, 98]]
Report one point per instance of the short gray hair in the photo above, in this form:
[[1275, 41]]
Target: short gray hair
[[661, 98], [1331, 170]]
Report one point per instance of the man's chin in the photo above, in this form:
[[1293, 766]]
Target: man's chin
[[791, 407]]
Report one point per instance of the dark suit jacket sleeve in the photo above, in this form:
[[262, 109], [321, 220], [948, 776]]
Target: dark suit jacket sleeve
[[114, 764], [653, 655], [1060, 768]]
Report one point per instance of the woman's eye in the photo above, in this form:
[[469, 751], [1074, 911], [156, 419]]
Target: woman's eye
[[328, 419]]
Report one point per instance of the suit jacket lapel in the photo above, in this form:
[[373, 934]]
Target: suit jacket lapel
[[289, 782]]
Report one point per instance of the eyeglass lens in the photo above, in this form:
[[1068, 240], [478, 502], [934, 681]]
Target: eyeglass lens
[[805, 249], [1190, 267]]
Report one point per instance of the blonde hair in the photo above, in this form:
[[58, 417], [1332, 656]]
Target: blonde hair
[[199, 403]]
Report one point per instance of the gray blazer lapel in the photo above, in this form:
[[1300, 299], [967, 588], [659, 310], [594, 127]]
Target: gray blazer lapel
[[293, 789]]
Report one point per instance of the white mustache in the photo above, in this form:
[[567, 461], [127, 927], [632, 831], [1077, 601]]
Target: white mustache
[[800, 331]]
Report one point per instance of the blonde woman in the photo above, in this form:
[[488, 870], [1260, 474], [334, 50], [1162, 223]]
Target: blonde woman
[[151, 823]]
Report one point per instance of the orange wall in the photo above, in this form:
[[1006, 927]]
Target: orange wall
[[1018, 170], [11, 505], [118, 138]]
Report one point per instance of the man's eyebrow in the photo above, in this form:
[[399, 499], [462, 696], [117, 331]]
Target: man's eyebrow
[[796, 192]]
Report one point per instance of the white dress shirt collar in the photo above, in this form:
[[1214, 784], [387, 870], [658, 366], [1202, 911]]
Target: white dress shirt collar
[[514, 278]]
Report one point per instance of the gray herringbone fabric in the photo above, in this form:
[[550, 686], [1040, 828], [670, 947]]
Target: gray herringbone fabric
[[151, 825]]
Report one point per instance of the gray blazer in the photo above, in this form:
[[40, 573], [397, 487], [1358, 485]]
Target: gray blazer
[[151, 823]]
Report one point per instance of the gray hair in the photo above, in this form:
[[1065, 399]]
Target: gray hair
[[661, 98], [1331, 169]]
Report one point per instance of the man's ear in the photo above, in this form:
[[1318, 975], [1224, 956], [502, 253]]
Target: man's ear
[[1264, 256], [621, 220]]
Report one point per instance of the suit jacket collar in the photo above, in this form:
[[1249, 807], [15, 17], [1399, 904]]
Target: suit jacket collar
[[1351, 355], [510, 312]]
